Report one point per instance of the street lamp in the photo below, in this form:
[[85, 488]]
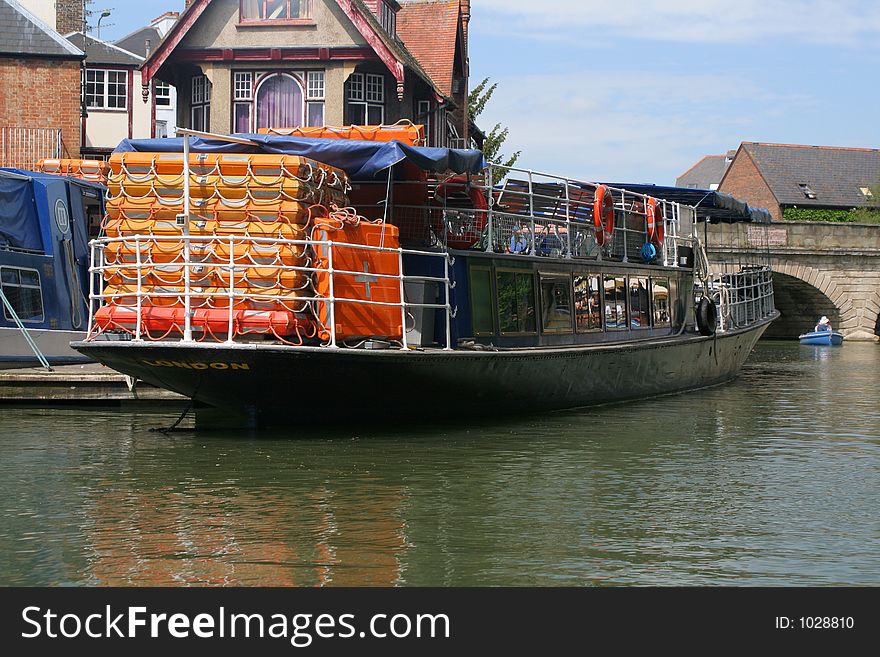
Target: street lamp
[[104, 14]]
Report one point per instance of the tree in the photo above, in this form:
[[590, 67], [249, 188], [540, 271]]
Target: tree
[[477, 100]]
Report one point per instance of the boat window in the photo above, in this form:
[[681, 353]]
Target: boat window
[[639, 302], [660, 294], [22, 288], [482, 310], [615, 303], [516, 301], [587, 302], [556, 303]]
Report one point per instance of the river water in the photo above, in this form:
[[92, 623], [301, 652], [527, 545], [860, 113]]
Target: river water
[[770, 480]]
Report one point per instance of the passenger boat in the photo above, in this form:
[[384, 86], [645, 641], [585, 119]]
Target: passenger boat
[[277, 279], [45, 222], [822, 338]]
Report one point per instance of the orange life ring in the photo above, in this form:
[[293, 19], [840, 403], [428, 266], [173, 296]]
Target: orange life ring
[[603, 214], [461, 186], [654, 217]]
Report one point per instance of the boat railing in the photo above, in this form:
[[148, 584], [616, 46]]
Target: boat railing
[[525, 212], [182, 282], [743, 297]]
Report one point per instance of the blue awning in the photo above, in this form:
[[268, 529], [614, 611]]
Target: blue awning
[[361, 160], [712, 206]]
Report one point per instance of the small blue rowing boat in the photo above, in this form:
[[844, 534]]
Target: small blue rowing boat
[[822, 338]]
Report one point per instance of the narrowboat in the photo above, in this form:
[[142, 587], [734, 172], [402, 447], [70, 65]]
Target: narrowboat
[[281, 279], [45, 224]]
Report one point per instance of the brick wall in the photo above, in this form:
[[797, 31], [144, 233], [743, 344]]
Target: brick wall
[[68, 16], [42, 93], [743, 180]]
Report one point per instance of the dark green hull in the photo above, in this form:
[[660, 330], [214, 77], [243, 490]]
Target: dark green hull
[[283, 385]]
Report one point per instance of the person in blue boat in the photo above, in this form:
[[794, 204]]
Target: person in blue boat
[[823, 325]]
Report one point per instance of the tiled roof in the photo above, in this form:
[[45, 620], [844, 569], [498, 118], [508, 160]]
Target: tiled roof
[[705, 173], [403, 54], [136, 42], [22, 33], [429, 30], [102, 52], [833, 174]]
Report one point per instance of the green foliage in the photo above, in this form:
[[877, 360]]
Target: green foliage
[[869, 215], [495, 138]]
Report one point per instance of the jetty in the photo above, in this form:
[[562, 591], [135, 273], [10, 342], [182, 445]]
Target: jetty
[[87, 384]]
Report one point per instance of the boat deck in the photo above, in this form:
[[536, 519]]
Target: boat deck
[[90, 384]]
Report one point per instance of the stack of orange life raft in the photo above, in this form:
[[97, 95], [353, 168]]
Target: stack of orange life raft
[[250, 216], [91, 170]]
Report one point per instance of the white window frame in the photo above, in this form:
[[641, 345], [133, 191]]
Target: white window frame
[[200, 102], [367, 90], [305, 13], [163, 92], [243, 85], [388, 18], [315, 96], [105, 95]]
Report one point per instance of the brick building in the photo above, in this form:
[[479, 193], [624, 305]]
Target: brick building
[[780, 176], [39, 89], [242, 65]]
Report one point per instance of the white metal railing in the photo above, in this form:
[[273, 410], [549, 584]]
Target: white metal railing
[[742, 297], [534, 213], [23, 147], [304, 298]]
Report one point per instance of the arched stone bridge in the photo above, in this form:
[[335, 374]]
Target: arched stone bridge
[[819, 269]]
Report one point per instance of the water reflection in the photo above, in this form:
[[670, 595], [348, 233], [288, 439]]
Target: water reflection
[[770, 480]]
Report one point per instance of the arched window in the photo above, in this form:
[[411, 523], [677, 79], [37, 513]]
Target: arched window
[[279, 102]]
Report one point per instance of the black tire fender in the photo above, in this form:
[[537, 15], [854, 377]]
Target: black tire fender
[[707, 317]]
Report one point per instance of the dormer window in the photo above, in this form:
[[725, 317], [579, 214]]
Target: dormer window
[[388, 18], [807, 190], [866, 192], [264, 11]]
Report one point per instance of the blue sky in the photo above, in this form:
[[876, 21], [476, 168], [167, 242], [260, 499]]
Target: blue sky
[[639, 90]]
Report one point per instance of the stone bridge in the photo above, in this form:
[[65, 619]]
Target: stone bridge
[[819, 269]]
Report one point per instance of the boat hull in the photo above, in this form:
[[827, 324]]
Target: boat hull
[[822, 338], [15, 352], [277, 385]]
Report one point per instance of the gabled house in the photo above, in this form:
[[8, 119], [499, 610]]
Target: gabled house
[[141, 42], [782, 176], [246, 65], [39, 89], [112, 85]]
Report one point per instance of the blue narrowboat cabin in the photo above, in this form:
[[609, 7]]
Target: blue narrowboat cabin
[[46, 222]]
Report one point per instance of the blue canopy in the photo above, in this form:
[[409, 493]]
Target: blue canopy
[[712, 206], [19, 223], [361, 160]]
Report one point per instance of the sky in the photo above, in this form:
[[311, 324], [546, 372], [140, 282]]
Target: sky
[[640, 90]]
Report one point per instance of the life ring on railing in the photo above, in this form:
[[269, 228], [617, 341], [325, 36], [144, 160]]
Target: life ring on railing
[[707, 317], [603, 214], [654, 219], [457, 192]]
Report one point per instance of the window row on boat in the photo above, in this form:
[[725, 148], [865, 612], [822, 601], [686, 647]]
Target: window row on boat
[[518, 306]]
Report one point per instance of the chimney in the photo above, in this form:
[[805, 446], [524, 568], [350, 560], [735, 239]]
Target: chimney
[[69, 16]]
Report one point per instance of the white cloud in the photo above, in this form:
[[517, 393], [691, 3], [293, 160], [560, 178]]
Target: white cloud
[[625, 126], [713, 21]]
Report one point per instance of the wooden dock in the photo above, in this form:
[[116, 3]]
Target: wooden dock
[[91, 384]]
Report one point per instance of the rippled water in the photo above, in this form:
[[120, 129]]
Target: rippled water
[[770, 480]]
